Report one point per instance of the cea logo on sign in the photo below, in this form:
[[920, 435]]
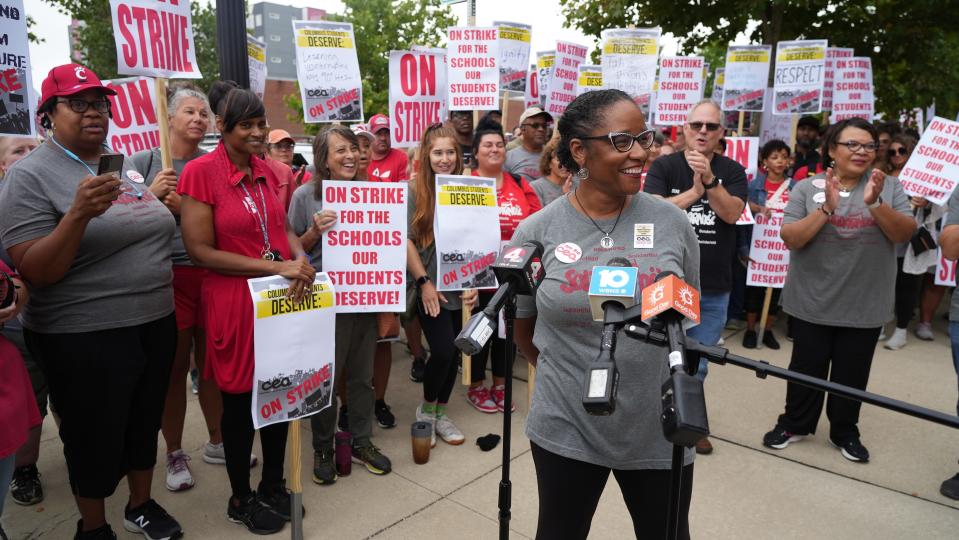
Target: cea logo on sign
[[613, 281]]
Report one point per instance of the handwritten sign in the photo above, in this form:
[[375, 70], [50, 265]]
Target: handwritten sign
[[514, 45], [328, 71], [629, 61], [747, 71]]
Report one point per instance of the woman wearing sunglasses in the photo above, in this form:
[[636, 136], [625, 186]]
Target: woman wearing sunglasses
[[841, 229], [900, 148]]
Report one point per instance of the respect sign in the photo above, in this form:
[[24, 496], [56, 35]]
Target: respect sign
[[328, 71], [680, 87], [417, 94], [18, 105], [629, 61], [590, 78], [154, 38], [562, 83], [472, 69], [466, 226], [545, 60], [133, 123], [365, 252], [256, 60], [832, 53], [746, 75], [768, 254], [514, 45], [853, 94], [745, 151], [799, 78], [933, 168]]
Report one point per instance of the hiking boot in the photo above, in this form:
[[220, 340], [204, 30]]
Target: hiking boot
[[852, 449], [102, 533], [481, 399], [384, 417], [769, 340], [779, 438], [324, 467], [152, 521], [215, 455], [278, 498], [374, 460], [25, 487], [254, 514], [178, 476], [750, 339]]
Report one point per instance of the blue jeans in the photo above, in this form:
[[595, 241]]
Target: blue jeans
[[712, 315], [954, 338]]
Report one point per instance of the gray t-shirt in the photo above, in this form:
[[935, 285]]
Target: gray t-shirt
[[121, 275], [845, 275], [952, 218], [428, 257], [546, 190], [148, 163], [300, 217], [568, 339], [520, 161]]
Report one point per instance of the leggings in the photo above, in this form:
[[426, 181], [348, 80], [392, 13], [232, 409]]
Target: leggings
[[237, 429], [569, 491], [440, 331], [495, 348], [907, 294]]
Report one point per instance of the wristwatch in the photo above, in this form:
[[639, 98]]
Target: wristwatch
[[876, 204], [716, 181], [422, 280]]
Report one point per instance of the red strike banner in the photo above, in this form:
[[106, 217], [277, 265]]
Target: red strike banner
[[417, 94], [133, 126], [154, 38]]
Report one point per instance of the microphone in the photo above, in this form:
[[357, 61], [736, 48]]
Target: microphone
[[519, 270], [612, 289]]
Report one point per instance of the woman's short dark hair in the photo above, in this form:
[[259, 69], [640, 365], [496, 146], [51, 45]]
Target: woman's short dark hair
[[239, 105], [586, 113], [775, 145], [486, 126], [44, 112], [218, 91], [321, 152], [832, 136]]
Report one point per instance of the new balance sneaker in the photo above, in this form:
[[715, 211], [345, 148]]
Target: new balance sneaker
[[852, 449], [324, 467], [779, 438], [384, 417], [25, 487], [448, 431], [254, 514], [278, 498], [178, 476], [343, 423], [215, 455], [152, 521], [102, 533], [430, 419], [374, 460], [481, 399], [499, 397], [418, 369]]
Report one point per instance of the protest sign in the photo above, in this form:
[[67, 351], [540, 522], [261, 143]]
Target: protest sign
[[514, 43], [853, 95], [133, 119], [746, 218], [256, 59], [798, 82], [417, 95], [18, 105], [531, 97], [365, 252], [774, 126], [747, 73], [933, 168], [154, 38], [466, 226], [562, 83], [832, 53], [473, 69], [328, 71], [745, 151], [590, 78], [293, 347], [945, 270], [680, 87], [545, 60], [629, 61], [718, 81], [768, 254]]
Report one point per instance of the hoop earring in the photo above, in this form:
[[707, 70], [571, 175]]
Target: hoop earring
[[582, 174]]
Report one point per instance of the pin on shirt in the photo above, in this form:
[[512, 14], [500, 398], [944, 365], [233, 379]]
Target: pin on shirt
[[568, 252], [643, 235]]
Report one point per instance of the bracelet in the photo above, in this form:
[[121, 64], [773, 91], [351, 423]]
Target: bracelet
[[827, 212], [714, 183]]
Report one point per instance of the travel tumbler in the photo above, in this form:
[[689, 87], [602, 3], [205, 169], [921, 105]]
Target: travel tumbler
[[344, 453], [422, 435]]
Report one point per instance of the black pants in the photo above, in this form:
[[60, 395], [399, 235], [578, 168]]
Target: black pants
[[756, 296], [569, 491], [495, 347], [440, 331], [816, 349], [237, 429], [907, 295]]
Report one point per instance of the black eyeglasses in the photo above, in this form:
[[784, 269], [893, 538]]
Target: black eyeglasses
[[855, 146], [623, 142], [893, 151], [697, 126], [78, 105]]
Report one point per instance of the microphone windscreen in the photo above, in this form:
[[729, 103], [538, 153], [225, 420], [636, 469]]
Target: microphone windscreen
[[619, 261]]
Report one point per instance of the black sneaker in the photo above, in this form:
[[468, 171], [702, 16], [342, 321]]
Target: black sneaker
[[344, 422], [257, 516], [769, 340], [950, 487], [750, 339], [418, 369], [374, 460], [279, 499], [384, 417], [25, 486], [779, 438], [324, 468], [152, 521], [103, 533], [852, 449]]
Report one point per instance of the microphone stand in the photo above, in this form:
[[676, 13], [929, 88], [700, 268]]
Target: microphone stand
[[505, 486], [677, 339]]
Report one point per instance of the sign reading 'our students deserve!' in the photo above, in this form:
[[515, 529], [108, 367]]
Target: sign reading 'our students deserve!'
[[154, 38], [473, 69]]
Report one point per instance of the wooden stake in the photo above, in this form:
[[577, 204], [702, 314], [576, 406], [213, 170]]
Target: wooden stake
[[163, 120], [742, 122], [295, 473], [764, 316], [504, 110], [467, 359], [530, 385], [792, 131]]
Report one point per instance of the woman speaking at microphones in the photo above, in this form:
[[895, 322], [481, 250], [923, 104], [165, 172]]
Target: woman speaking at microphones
[[605, 140]]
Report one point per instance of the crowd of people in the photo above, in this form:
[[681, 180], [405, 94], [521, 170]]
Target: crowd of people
[[133, 278]]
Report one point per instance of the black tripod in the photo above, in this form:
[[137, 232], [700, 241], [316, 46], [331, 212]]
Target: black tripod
[[505, 486]]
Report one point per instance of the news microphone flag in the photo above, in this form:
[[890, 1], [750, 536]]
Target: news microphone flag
[[612, 284], [670, 293]]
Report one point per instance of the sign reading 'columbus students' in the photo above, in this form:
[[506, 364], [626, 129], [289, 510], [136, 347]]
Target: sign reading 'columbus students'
[[467, 232], [154, 38], [473, 69], [328, 71], [17, 102]]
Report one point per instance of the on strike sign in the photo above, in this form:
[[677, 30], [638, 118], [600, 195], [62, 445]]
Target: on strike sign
[[745, 151], [852, 89], [17, 104], [832, 53], [680, 87], [365, 252], [473, 69], [531, 98], [154, 38], [133, 123], [562, 83], [768, 254], [933, 168], [417, 94]]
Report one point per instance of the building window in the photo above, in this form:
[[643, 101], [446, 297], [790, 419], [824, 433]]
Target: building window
[[274, 16], [259, 19], [274, 37]]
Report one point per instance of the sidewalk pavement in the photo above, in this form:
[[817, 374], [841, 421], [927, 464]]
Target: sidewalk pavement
[[742, 490]]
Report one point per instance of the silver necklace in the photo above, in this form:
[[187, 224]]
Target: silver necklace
[[607, 240]]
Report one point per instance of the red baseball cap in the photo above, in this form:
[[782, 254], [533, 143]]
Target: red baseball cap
[[378, 122], [70, 79]]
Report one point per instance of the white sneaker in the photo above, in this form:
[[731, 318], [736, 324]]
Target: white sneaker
[[429, 419], [897, 340], [178, 477], [924, 332], [448, 431], [721, 342], [215, 455], [882, 334]]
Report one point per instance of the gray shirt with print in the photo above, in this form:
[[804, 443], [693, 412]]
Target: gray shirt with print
[[121, 275], [520, 161], [568, 339], [303, 205], [845, 275], [952, 218], [546, 190]]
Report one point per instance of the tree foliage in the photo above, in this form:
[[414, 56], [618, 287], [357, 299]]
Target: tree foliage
[[914, 44]]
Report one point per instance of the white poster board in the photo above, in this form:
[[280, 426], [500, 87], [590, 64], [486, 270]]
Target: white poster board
[[545, 60], [256, 59], [133, 122], [768, 254], [18, 104], [933, 168], [467, 232], [832, 53], [747, 74], [680, 88], [799, 78], [745, 151], [514, 46], [562, 84], [417, 95], [473, 68], [774, 126], [531, 97], [853, 93], [629, 61], [154, 38], [328, 71]]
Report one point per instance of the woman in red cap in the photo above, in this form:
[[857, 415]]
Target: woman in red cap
[[96, 250]]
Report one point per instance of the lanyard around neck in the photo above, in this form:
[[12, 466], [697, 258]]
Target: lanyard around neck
[[263, 220], [76, 158]]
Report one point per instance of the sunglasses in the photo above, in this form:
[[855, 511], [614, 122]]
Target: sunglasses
[[698, 126], [893, 151], [623, 142], [855, 146], [78, 105], [536, 126]]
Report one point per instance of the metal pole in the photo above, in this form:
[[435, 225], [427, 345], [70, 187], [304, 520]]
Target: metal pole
[[505, 486], [231, 41]]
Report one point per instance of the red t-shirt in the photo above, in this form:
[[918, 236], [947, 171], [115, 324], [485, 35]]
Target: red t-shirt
[[284, 181], [18, 408], [517, 201], [228, 310], [772, 188], [391, 168]]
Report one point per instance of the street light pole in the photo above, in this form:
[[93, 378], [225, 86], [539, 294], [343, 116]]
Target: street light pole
[[231, 41]]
